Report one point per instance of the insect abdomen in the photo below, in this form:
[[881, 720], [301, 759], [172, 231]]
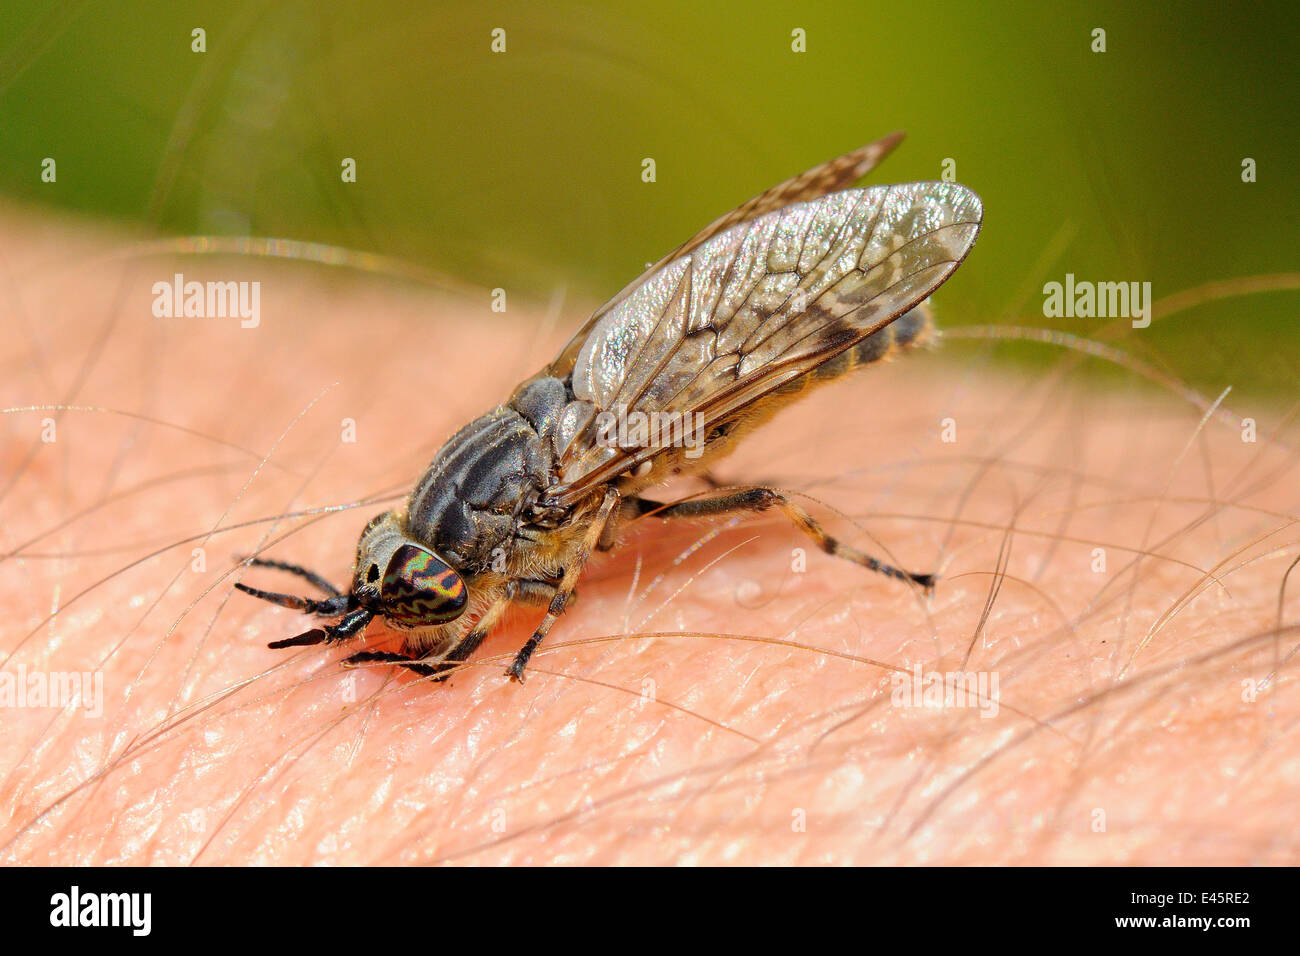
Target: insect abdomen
[[914, 328]]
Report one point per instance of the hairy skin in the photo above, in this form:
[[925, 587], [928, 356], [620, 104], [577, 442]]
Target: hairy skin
[[721, 692]]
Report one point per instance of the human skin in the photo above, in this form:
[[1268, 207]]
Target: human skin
[[721, 693]]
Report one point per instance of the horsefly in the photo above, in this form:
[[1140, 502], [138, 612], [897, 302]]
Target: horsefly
[[794, 288]]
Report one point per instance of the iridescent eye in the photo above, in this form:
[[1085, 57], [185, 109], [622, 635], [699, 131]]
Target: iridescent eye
[[420, 589]]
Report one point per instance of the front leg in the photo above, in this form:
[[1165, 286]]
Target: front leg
[[392, 657], [523, 591], [567, 585], [520, 591]]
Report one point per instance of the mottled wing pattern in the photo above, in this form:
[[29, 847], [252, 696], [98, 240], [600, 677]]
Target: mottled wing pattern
[[835, 174], [760, 304], [829, 177]]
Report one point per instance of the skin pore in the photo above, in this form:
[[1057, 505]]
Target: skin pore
[[1112, 563]]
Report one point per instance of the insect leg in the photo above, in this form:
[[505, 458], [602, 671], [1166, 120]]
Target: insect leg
[[524, 590], [391, 657], [761, 499], [567, 584], [532, 591], [520, 590]]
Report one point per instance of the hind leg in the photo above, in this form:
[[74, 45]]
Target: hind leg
[[761, 499]]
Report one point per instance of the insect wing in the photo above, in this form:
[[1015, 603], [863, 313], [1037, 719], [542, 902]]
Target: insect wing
[[832, 175], [760, 304], [829, 177]]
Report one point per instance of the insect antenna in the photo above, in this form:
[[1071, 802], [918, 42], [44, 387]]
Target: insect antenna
[[316, 635], [351, 624]]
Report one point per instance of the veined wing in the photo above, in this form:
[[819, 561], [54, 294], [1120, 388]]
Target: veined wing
[[830, 176], [760, 304]]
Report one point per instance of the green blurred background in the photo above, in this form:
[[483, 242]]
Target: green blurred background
[[523, 169]]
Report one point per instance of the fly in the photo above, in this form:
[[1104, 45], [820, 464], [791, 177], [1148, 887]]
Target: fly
[[792, 289]]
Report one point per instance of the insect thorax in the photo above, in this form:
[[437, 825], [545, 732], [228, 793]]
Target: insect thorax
[[475, 502]]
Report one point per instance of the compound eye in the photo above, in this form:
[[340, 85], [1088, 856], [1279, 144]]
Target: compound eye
[[420, 589]]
